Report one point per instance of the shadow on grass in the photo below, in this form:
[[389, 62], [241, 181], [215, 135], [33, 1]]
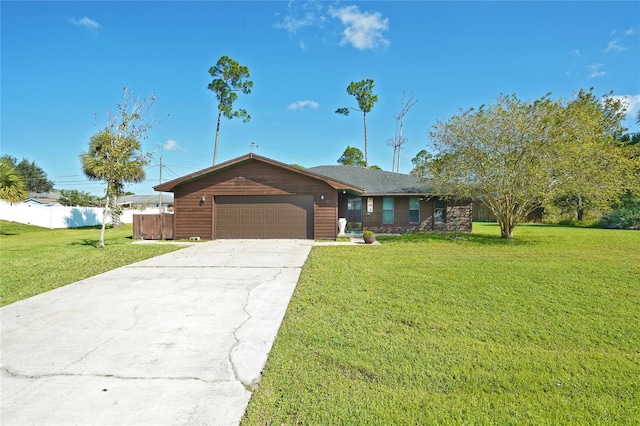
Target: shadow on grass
[[89, 242], [98, 227], [456, 238]]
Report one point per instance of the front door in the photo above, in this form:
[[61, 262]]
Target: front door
[[354, 213]]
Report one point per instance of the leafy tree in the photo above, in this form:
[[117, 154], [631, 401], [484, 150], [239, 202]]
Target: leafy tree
[[519, 155], [74, 197], [229, 78], [12, 186], [351, 157], [114, 155], [35, 178], [116, 161], [631, 144], [421, 164], [363, 92]]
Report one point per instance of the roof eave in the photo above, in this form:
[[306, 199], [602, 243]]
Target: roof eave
[[396, 194], [335, 184]]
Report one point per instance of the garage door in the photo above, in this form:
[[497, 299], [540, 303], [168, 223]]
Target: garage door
[[289, 216]]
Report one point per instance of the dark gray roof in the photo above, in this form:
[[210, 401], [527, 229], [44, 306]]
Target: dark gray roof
[[373, 181], [53, 195], [145, 199]]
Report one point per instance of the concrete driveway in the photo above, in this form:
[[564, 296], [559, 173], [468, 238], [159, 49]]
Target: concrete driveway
[[174, 340]]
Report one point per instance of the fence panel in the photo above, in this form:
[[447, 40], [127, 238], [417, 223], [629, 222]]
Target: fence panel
[[153, 226]]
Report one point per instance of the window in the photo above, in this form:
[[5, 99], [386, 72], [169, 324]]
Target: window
[[441, 211], [414, 210], [387, 210]]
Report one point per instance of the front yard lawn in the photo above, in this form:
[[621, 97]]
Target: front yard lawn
[[423, 329], [34, 260]]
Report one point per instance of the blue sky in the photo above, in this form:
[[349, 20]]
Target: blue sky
[[64, 65]]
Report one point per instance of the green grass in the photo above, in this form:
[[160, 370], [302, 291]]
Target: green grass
[[423, 329], [34, 260]]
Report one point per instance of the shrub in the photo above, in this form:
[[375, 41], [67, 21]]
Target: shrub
[[622, 218]]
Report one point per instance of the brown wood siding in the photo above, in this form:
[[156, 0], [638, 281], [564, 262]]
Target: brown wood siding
[[373, 219], [427, 209], [458, 216], [194, 218], [326, 216], [400, 225]]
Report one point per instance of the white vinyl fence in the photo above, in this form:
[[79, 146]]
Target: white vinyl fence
[[61, 216]]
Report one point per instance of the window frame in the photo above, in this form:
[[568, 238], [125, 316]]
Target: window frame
[[440, 211], [416, 208], [386, 209]]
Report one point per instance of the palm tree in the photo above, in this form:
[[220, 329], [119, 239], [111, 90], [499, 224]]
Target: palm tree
[[12, 185], [116, 161]]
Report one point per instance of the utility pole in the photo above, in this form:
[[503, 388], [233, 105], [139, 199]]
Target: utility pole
[[160, 204], [160, 192]]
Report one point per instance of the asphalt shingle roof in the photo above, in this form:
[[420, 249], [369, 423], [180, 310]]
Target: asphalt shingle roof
[[145, 199], [373, 181]]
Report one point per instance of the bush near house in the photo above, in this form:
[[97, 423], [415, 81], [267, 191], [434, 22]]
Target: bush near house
[[425, 329]]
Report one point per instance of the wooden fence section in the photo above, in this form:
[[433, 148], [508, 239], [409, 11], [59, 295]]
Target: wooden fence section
[[482, 213], [153, 226]]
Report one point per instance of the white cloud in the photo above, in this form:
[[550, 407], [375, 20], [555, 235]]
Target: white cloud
[[298, 105], [292, 24], [614, 46], [632, 102], [364, 30], [171, 145], [87, 23], [596, 70], [300, 15]]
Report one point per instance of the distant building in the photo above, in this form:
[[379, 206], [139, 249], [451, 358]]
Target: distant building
[[141, 202], [44, 199]]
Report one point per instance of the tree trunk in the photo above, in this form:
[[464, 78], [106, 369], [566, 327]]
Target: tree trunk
[[506, 232], [366, 148], [105, 214], [114, 212], [393, 162], [507, 224], [215, 145], [580, 208], [506, 215]]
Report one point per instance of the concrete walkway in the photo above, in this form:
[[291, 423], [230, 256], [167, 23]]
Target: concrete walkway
[[174, 340]]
